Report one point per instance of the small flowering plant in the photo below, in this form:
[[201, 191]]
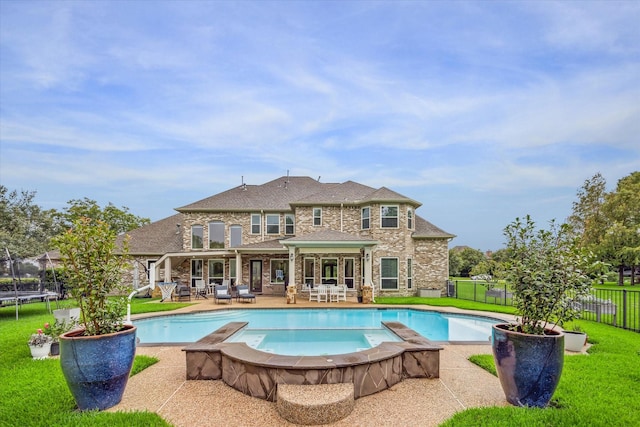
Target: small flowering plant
[[41, 338]]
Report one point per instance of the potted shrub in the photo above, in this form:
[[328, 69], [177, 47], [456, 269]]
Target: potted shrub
[[547, 272], [96, 358], [40, 343]]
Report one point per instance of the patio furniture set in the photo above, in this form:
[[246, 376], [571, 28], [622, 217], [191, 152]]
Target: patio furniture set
[[328, 293]]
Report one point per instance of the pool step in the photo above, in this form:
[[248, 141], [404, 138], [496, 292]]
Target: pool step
[[313, 404]]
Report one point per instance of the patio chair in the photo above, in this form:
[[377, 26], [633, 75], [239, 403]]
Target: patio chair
[[201, 289], [322, 293], [334, 293], [244, 294], [313, 293], [221, 293], [183, 292]]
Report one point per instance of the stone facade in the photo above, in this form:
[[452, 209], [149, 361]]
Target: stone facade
[[412, 241]]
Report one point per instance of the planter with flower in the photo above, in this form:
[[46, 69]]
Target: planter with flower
[[96, 358], [547, 272], [40, 343]]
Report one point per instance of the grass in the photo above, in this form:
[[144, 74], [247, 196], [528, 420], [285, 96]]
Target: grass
[[600, 389], [34, 392]]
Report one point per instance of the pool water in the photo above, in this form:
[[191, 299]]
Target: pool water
[[435, 326], [315, 342]]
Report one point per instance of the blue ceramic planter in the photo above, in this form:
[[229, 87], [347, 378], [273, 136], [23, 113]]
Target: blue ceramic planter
[[97, 367], [529, 366]]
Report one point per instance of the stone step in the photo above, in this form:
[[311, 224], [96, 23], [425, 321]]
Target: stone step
[[315, 404]]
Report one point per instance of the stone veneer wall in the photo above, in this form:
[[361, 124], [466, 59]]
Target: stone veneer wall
[[430, 257], [257, 374]]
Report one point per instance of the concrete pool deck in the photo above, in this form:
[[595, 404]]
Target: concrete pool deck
[[163, 388]]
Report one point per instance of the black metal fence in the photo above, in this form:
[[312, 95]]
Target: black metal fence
[[616, 307]]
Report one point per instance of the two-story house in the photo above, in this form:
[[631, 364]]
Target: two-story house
[[296, 230]]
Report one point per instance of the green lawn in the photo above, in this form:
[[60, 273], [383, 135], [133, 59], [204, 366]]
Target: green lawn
[[601, 389]]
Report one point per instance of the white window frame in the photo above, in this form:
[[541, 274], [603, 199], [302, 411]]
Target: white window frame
[[387, 278], [322, 276], [215, 279], [351, 278], [366, 218], [383, 215], [194, 271], [254, 223], [289, 224], [409, 273], [272, 220], [274, 278], [235, 231], [410, 219], [308, 277], [212, 225], [317, 215], [194, 228]]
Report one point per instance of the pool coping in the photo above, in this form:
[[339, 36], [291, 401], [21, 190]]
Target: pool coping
[[257, 373]]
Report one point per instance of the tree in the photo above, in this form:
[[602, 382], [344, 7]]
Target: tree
[[470, 258], [587, 218], [25, 228], [620, 244], [120, 220], [455, 262]]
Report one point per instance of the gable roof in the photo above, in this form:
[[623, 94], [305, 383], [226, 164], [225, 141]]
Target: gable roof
[[283, 193], [275, 195]]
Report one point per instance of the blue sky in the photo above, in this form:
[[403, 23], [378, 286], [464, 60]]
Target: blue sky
[[482, 111]]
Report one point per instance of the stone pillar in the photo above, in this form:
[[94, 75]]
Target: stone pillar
[[367, 294]]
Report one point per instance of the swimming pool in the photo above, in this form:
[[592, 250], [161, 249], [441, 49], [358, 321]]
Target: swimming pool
[[305, 342], [435, 326]]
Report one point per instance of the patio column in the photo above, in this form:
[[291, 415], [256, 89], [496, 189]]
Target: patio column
[[292, 265], [238, 269], [368, 261], [167, 269]]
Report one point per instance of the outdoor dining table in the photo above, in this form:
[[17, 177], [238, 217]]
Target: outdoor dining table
[[167, 289]]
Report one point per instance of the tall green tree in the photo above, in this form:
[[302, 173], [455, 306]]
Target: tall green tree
[[470, 258], [620, 244], [25, 228], [588, 219], [120, 220]]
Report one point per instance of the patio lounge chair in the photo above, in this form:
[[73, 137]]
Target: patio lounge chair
[[244, 294], [221, 292]]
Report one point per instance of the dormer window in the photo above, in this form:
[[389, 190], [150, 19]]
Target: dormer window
[[388, 216]]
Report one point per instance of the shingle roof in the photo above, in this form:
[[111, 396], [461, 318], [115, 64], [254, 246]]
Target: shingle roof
[[156, 238], [280, 194], [327, 235], [275, 195], [426, 230]]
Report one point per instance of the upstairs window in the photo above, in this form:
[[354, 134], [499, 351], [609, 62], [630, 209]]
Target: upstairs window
[[235, 237], [256, 224], [389, 216], [410, 219], [216, 234], [197, 237], [366, 218], [273, 224], [317, 216], [289, 224]]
